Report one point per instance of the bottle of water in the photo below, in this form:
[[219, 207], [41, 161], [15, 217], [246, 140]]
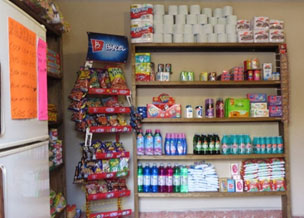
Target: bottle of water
[[140, 178]]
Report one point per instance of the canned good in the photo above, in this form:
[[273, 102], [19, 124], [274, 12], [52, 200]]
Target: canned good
[[189, 111], [204, 76], [247, 65], [250, 75], [168, 68], [212, 76], [257, 75], [184, 76], [199, 111], [190, 76], [160, 68], [209, 108]]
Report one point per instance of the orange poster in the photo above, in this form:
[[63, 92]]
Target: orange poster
[[23, 73]]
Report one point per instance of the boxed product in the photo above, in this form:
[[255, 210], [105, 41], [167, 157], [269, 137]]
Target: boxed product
[[274, 100], [261, 36], [225, 76], [141, 12], [163, 76], [237, 107], [276, 36], [142, 57], [260, 23], [243, 25], [239, 186], [173, 111], [267, 71], [275, 111], [257, 97], [258, 106], [142, 71], [231, 185], [234, 169], [223, 184], [141, 31], [259, 113], [245, 36], [276, 24]]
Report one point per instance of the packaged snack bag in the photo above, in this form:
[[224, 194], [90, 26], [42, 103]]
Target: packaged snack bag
[[117, 78]]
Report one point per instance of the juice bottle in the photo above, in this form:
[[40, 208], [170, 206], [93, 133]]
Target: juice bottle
[[157, 143], [149, 142], [154, 178], [140, 143], [176, 179], [219, 111], [184, 179], [167, 144], [169, 178], [197, 144], [161, 179], [140, 178], [147, 178], [205, 145], [217, 144], [179, 144]]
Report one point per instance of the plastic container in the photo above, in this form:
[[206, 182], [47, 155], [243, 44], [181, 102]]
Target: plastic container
[[157, 143]]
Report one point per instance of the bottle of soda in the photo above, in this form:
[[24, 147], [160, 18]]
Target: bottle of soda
[[149, 142], [140, 143], [217, 144], [157, 143], [162, 179], [176, 179], [211, 145], [140, 178], [205, 145], [169, 178], [147, 178], [154, 178], [197, 144]]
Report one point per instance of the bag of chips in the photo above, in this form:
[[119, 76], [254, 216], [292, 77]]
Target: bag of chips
[[117, 78]]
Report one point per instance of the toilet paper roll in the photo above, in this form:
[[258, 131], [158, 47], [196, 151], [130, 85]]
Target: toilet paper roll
[[222, 37], [172, 10], [219, 28], [188, 37], [227, 10], [167, 38], [231, 37], [180, 19], [212, 20], [183, 9], [188, 28], [207, 11], [197, 29], [177, 38], [218, 12], [195, 9], [201, 38], [178, 28], [221, 20], [230, 28], [208, 28], [158, 28], [168, 28], [191, 19], [158, 19], [212, 37], [202, 19], [159, 9], [168, 19], [158, 37], [231, 19]]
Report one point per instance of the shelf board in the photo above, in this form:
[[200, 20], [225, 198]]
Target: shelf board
[[206, 47], [109, 110], [210, 84], [211, 120], [101, 91], [209, 194], [209, 157], [54, 75], [110, 129]]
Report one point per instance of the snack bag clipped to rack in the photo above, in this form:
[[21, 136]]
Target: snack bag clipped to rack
[[117, 78]]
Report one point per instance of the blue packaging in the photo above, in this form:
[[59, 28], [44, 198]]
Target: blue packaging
[[142, 111], [231, 185], [259, 97]]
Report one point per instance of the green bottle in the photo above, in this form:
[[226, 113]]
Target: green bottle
[[176, 179], [184, 179], [140, 178]]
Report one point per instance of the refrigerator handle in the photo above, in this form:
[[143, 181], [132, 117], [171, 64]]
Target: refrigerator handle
[[2, 190]]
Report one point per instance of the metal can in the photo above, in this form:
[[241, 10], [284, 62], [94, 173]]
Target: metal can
[[199, 111], [257, 75], [209, 108], [168, 68], [190, 76], [184, 76], [212, 76], [204, 76], [160, 68]]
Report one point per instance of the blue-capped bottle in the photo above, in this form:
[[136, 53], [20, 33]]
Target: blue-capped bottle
[[173, 149], [147, 178], [154, 178], [184, 141], [148, 142]]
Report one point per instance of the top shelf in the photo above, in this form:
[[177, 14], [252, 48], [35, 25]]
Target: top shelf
[[206, 47]]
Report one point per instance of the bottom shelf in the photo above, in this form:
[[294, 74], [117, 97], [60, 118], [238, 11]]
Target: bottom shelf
[[111, 214], [208, 194]]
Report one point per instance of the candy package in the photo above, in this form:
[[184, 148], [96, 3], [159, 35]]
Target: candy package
[[121, 120], [101, 119], [112, 120], [82, 84], [103, 78], [78, 116], [117, 78], [114, 165], [84, 74], [123, 164], [77, 105], [110, 101], [105, 166], [77, 95]]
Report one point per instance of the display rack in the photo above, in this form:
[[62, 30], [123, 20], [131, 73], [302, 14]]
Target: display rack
[[281, 87]]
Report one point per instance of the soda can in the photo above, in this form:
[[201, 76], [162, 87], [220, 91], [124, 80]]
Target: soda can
[[160, 68], [204, 76], [190, 76], [184, 76], [168, 68], [199, 111]]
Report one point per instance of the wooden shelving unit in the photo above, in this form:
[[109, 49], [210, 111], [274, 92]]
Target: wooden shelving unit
[[281, 88]]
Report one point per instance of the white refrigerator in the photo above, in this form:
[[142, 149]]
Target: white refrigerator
[[24, 171]]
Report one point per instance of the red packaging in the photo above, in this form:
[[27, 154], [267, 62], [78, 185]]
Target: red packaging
[[257, 75], [220, 108]]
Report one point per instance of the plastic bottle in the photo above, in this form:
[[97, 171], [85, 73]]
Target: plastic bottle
[[140, 178], [140, 143], [176, 179], [197, 144], [248, 145], [149, 142], [234, 144], [280, 145], [242, 147], [263, 145], [157, 143], [173, 150], [211, 144], [268, 145], [184, 179], [167, 144], [169, 178], [217, 145], [257, 145], [161, 179], [154, 178], [179, 144], [184, 141], [205, 145], [147, 178], [274, 145], [225, 145]]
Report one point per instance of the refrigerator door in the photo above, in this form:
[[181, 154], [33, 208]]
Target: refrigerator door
[[25, 179], [16, 132]]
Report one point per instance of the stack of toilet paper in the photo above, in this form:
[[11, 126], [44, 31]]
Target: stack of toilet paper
[[192, 23]]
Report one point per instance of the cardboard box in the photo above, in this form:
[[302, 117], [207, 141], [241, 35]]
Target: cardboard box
[[261, 36], [242, 25], [276, 36], [223, 184], [259, 113], [231, 185], [239, 185], [237, 107], [245, 36], [275, 111], [275, 100], [260, 23], [276, 24], [257, 97], [267, 71], [258, 106], [234, 169], [173, 111]]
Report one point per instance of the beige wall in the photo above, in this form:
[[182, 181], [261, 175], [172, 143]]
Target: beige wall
[[113, 17]]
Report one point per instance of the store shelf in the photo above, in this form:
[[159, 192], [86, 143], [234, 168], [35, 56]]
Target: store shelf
[[108, 129], [54, 75], [102, 156], [109, 110], [206, 47], [108, 195], [98, 176], [100, 91], [210, 84], [111, 214], [212, 120], [209, 157], [208, 194]]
